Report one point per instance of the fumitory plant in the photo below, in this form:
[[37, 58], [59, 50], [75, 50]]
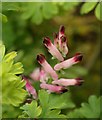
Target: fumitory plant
[[48, 92]]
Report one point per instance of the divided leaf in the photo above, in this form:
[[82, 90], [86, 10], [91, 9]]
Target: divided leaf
[[91, 109], [53, 103], [32, 109]]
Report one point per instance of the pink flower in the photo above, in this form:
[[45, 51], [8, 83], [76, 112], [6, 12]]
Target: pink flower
[[43, 76], [31, 90], [35, 75], [39, 75], [52, 49], [68, 82], [53, 88], [48, 69], [69, 62]]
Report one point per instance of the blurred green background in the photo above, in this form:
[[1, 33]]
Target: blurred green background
[[25, 24]]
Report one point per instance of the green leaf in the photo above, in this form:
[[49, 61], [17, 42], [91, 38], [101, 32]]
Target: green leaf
[[10, 56], [32, 110], [12, 85], [87, 7], [17, 68], [91, 109], [98, 11], [61, 101], [44, 98], [52, 104], [75, 114], [49, 9], [37, 17]]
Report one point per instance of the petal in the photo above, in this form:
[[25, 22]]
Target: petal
[[48, 69], [68, 82], [53, 88], [52, 49], [69, 62]]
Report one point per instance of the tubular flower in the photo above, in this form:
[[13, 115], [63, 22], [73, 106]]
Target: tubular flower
[[31, 90], [68, 82], [52, 49], [53, 88], [39, 75], [48, 69], [35, 75], [69, 62]]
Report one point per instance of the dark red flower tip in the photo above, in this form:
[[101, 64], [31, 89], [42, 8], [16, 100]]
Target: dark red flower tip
[[78, 57], [64, 90], [47, 41], [79, 81], [40, 58], [63, 39], [55, 35], [62, 29]]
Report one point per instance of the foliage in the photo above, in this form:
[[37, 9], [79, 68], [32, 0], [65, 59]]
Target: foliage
[[91, 109], [38, 11], [89, 6], [12, 85], [50, 105]]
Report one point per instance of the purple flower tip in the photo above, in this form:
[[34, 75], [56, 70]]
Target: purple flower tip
[[78, 57], [47, 41], [41, 58], [79, 81], [62, 29]]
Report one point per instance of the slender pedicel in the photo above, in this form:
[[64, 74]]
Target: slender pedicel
[[53, 88], [68, 82], [69, 62], [48, 69]]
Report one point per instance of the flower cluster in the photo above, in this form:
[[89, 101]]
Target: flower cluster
[[58, 50]]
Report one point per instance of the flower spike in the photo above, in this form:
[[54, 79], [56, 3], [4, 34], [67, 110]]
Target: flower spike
[[52, 49], [48, 69], [69, 62]]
